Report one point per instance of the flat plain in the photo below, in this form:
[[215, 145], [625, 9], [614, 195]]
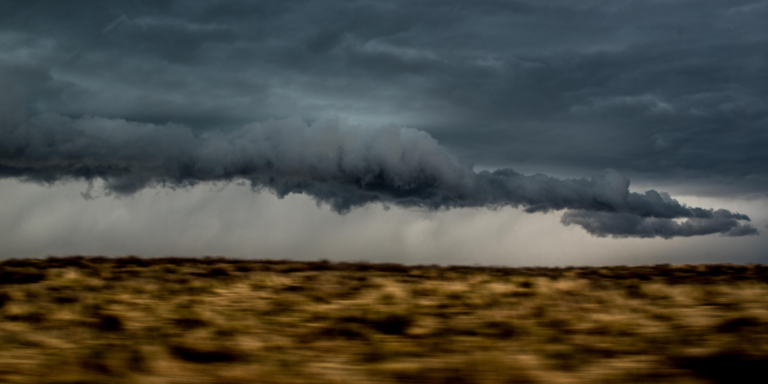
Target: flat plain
[[215, 320]]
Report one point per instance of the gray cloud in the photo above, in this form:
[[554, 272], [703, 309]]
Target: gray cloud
[[627, 225], [664, 89], [343, 165], [164, 92]]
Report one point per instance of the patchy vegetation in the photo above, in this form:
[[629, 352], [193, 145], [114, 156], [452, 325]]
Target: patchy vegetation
[[134, 320]]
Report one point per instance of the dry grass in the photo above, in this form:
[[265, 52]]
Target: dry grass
[[132, 320]]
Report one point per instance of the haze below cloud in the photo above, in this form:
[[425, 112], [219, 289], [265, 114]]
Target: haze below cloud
[[233, 221]]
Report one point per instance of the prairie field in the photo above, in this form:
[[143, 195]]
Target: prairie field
[[216, 320]]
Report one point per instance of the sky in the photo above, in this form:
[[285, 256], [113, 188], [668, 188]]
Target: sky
[[544, 132]]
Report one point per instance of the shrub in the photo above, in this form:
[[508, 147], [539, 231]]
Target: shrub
[[738, 324], [109, 323], [189, 323], [20, 276], [392, 324], [4, 299], [204, 355], [725, 367], [33, 317]]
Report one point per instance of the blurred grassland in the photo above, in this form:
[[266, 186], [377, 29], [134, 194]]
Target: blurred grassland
[[213, 320]]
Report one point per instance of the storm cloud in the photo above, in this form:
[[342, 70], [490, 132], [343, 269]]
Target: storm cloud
[[343, 165], [173, 93]]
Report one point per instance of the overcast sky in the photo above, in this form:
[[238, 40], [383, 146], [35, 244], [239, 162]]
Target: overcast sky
[[546, 132]]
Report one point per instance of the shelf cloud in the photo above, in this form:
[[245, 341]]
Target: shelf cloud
[[339, 164]]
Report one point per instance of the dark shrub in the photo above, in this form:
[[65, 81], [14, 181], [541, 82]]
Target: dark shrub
[[523, 294], [391, 268], [341, 331], [131, 261], [20, 276], [215, 272], [526, 285], [4, 299], [218, 272], [726, 367], [204, 356], [500, 329], [293, 288], [96, 361], [634, 291], [137, 361], [738, 324], [322, 265], [65, 299], [189, 323], [24, 263], [169, 269], [292, 268], [72, 262], [392, 324], [109, 323], [243, 268], [34, 317]]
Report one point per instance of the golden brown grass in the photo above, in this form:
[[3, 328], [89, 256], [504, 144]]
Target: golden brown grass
[[132, 320]]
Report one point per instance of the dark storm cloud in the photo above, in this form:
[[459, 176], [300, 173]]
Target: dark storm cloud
[[343, 165], [652, 87], [627, 225], [146, 92]]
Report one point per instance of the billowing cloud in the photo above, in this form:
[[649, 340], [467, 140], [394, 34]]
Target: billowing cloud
[[343, 165], [628, 225]]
